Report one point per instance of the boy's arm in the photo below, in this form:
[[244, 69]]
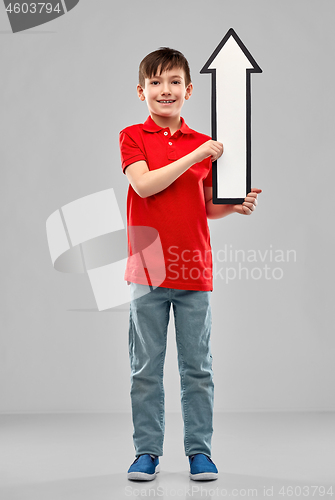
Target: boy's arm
[[219, 211], [149, 182]]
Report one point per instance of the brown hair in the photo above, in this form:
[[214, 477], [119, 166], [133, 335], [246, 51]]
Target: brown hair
[[165, 59]]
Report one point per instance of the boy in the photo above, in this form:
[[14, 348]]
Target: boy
[[169, 168]]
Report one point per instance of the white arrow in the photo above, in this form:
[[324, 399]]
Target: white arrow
[[230, 66]]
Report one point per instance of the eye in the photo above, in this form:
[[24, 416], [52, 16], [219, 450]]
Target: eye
[[154, 82], [176, 81]]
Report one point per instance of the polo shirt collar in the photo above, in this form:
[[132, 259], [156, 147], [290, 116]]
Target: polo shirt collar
[[150, 126]]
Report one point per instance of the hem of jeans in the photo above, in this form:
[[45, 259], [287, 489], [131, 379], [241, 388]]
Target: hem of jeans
[[148, 453]]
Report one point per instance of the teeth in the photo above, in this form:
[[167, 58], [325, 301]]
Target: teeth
[[165, 101]]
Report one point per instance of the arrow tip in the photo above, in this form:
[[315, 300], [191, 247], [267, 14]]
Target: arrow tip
[[231, 33]]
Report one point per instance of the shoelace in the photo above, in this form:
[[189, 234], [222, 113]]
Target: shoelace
[[151, 456], [192, 458]]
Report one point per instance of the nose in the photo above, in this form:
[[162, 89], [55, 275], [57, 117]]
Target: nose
[[165, 89]]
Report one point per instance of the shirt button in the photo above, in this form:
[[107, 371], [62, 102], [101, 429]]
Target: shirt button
[[170, 143], [165, 133]]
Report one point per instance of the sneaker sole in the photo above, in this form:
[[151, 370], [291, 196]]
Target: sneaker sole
[[203, 476], [143, 476]]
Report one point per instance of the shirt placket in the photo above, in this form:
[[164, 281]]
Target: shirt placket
[[171, 151]]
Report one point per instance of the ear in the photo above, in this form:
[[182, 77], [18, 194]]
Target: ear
[[188, 91], [140, 92]]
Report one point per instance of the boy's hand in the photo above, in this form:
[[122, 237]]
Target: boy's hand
[[211, 148], [249, 204]]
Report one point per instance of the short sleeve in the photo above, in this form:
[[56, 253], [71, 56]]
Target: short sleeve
[[208, 180], [130, 152]]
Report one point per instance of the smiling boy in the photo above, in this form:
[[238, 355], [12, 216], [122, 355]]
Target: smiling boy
[[169, 168]]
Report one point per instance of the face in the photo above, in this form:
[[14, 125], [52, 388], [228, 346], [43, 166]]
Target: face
[[165, 94]]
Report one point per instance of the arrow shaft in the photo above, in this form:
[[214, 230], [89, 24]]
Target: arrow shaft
[[232, 123]]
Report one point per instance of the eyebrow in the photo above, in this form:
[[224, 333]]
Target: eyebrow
[[174, 76]]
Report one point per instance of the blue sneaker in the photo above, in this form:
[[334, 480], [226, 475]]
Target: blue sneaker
[[144, 468], [202, 468]]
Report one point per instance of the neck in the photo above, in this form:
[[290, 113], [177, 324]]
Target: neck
[[173, 122]]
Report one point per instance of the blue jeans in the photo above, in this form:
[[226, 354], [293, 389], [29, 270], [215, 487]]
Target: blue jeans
[[148, 323]]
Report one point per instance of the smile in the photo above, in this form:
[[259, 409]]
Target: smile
[[166, 102]]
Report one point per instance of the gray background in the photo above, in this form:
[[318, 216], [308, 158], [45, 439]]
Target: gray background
[[67, 89]]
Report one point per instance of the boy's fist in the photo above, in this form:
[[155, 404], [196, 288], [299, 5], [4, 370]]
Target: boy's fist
[[211, 148], [249, 204]]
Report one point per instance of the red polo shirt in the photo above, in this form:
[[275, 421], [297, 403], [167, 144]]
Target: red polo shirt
[[181, 257]]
